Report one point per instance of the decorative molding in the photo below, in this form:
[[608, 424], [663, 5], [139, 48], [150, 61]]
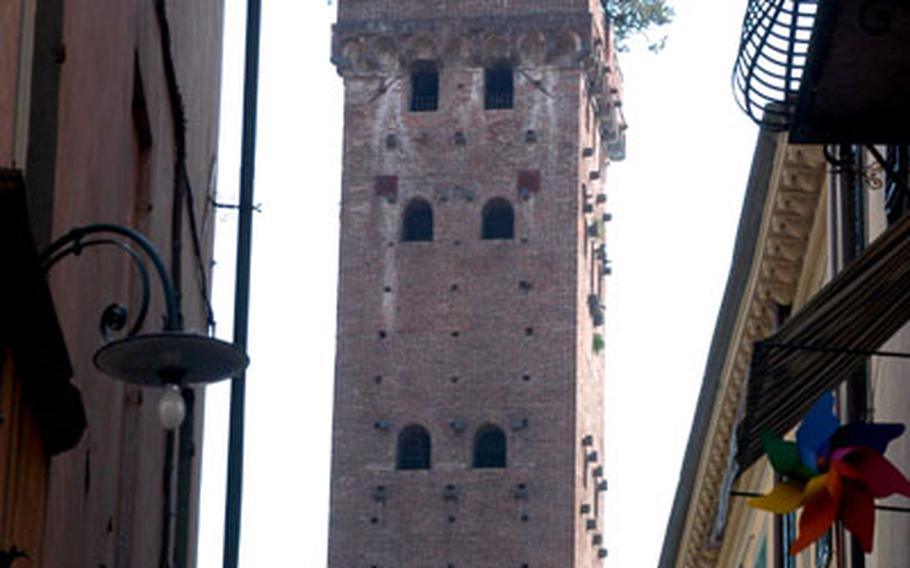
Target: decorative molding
[[528, 43], [359, 49], [791, 208]]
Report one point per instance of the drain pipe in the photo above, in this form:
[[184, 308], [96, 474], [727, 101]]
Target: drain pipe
[[242, 286]]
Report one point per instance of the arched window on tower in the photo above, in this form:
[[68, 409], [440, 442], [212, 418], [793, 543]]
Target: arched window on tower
[[414, 448], [417, 222], [498, 220], [490, 447]]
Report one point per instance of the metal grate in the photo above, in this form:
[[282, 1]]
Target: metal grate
[[772, 58]]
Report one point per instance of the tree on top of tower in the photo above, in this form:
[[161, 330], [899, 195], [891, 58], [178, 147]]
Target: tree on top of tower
[[630, 18]]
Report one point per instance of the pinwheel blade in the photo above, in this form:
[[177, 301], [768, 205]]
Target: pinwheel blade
[[871, 435], [867, 466], [858, 513], [814, 433], [785, 457], [818, 515], [785, 498]]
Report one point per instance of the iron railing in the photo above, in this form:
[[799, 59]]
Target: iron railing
[[424, 103], [771, 60], [498, 100]]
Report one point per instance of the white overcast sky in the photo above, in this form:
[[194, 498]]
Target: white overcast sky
[[675, 201]]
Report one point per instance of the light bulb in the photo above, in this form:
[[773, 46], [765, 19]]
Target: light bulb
[[171, 408]]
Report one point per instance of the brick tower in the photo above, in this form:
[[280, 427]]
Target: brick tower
[[469, 382]]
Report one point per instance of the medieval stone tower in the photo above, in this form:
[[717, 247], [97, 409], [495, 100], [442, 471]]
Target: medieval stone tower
[[469, 381]]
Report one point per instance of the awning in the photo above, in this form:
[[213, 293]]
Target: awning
[[28, 325], [827, 340]]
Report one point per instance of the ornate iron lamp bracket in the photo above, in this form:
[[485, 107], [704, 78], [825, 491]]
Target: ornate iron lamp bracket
[[115, 316], [172, 357]]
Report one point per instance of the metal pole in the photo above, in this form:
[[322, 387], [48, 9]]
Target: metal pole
[[242, 286]]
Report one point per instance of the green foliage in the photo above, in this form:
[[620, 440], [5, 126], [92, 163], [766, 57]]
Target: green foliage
[[599, 343], [631, 18]]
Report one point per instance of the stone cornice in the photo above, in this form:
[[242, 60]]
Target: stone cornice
[[371, 50], [790, 211], [534, 40]]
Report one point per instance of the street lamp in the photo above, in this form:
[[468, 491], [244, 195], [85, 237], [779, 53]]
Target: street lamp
[[171, 358]]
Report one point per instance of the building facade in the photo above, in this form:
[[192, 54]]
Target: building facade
[[108, 114], [468, 397], [816, 299]]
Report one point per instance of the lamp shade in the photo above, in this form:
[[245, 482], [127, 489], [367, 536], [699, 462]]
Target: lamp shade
[[170, 358]]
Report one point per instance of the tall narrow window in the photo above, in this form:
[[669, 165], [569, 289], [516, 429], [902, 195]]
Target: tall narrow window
[[414, 448], [490, 448], [787, 527], [498, 220], [424, 87], [896, 182], [498, 88], [417, 223], [142, 137]]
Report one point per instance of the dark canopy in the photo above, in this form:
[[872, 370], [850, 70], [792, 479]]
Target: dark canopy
[[29, 327], [826, 340]]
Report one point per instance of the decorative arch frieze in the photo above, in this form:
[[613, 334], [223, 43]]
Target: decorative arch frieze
[[420, 47], [382, 54], [566, 48], [363, 49], [532, 49]]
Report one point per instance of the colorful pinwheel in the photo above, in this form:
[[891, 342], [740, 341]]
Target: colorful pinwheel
[[833, 472]]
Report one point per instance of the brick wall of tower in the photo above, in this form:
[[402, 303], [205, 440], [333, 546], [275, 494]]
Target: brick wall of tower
[[590, 476], [460, 332]]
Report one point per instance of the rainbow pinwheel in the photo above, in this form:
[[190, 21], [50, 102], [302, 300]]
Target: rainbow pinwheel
[[833, 472]]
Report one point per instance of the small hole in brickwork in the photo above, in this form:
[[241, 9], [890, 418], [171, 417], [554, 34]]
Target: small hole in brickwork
[[455, 334], [374, 520], [529, 331], [387, 289], [525, 286], [454, 379], [382, 334], [526, 378], [525, 518], [524, 566], [451, 519], [453, 288], [391, 244], [377, 379], [457, 243]]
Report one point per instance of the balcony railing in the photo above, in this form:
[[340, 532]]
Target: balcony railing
[[772, 58]]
